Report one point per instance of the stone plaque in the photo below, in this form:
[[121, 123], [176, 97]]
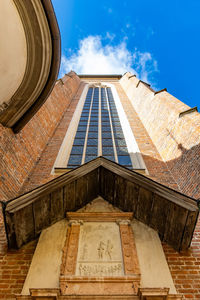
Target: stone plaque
[[99, 250], [99, 256]]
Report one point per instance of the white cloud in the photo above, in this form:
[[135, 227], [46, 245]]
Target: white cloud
[[110, 36], [93, 57]]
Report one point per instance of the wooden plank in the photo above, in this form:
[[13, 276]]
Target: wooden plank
[[139, 179], [93, 185], [159, 213], [131, 197], [120, 189], [56, 207], [145, 199], [189, 229], [10, 229], [24, 225], [101, 182], [175, 224], [41, 212], [109, 185], [69, 197], [81, 188]]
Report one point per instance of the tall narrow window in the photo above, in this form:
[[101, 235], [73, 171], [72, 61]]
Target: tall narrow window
[[99, 131]]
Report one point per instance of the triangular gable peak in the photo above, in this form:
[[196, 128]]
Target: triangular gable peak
[[171, 213]]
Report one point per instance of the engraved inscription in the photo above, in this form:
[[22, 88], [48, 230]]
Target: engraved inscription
[[100, 270], [99, 252]]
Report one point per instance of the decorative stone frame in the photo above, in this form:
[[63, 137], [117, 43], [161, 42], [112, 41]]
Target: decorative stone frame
[[126, 284]]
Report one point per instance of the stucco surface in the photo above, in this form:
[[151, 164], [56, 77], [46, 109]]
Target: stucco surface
[[45, 267], [153, 265], [13, 50]]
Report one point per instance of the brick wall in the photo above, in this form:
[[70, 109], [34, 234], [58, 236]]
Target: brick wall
[[156, 167], [185, 267], [20, 152], [41, 172], [176, 139], [13, 270]]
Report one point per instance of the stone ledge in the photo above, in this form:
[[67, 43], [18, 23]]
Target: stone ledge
[[188, 111], [160, 91], [146, 84]]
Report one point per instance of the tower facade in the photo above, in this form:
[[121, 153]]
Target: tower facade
[[106, 170]]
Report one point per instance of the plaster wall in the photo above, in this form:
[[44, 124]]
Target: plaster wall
[[153, 265], [13, 50], [45, 267]]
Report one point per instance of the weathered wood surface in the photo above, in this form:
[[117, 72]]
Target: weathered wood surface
[[172, 214]]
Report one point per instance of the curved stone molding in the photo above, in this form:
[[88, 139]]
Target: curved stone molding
[[43, 59]]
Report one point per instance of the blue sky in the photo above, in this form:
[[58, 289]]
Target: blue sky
[[157, 40]]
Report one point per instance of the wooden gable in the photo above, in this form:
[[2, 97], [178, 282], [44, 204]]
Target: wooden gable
[[171, 213]]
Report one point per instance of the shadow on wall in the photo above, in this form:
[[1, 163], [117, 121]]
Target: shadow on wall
[[181, 173]]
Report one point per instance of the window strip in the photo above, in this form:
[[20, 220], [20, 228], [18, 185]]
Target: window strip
[[86, 136]]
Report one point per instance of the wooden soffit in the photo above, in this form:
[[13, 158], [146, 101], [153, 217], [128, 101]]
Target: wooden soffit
[[169, 212], [42, 66]]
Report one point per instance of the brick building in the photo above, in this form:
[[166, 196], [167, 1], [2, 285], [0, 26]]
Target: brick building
[[99, 189]]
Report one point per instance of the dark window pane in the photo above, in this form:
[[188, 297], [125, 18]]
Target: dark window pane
[[107, 151], [80, 134], [107, 142], [120, 142], [110, 157], [116, 124], [83, 123], [124, 160], [93, 123], [117, 130], [93, 128], [77, 150], [107, 128], [105, 119], [122, 151], [75, 160], [104, 124], [81, 128], [91, 150], [119, 135], [106, 135], [92, 142], [89, 158], [93, 135], [79, 142]]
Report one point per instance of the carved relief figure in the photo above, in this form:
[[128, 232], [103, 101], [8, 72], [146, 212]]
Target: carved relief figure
[[109, 248], [101, 249]]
